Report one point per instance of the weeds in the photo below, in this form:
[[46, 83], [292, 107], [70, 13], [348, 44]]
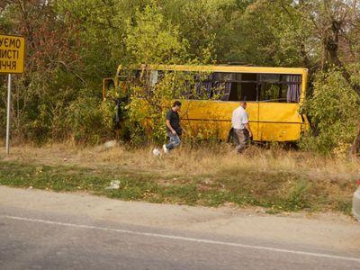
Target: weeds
[[275, 179]]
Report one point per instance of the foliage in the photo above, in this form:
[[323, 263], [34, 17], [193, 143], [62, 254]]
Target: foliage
[[151, 40], [72, 46], [333, 112], [52, 67], [88, 120], [102, 31]]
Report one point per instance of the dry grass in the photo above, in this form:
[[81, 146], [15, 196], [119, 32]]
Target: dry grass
[[186, 161], [213, 175]]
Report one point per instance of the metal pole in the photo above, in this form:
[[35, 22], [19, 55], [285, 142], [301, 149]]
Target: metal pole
[[8, 116]]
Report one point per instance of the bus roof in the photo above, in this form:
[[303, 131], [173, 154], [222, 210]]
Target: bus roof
[[225, 68]]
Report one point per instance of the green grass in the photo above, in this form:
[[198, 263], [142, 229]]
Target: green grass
[[275, 191]]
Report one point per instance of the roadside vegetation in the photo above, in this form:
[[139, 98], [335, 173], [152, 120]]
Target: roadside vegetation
[[278, 181], [71, 47]]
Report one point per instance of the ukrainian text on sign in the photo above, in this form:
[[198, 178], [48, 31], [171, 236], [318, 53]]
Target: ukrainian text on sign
[[12, 53]]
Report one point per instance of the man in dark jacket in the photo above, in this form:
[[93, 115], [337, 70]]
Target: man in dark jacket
[[173, 127]]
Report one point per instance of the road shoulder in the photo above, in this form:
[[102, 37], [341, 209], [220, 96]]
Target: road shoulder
[[326, 230]]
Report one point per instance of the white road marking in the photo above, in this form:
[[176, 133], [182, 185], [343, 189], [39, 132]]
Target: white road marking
[[181, 238]]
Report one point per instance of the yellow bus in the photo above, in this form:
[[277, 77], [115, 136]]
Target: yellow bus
[[273, 95]]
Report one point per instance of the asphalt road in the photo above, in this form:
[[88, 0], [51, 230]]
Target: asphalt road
[[50, 239]]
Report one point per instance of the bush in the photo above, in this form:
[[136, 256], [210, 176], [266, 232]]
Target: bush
[[333, 111], [89, 120]]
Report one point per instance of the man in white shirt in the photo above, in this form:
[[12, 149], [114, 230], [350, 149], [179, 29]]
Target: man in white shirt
[[240, 124]]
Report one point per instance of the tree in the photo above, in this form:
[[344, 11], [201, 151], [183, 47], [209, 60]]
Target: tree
[[336, 24], [151, 39], [52, 64]]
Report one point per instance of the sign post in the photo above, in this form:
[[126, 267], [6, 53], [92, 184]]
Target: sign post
[[12, 55], [8, 117]]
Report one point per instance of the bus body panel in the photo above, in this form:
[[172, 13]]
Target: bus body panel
[[212, 119], [279, 122], [268, 121]]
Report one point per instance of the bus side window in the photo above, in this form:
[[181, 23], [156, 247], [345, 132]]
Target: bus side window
[[271, 92], [155, 77], [248, 88], [293, 89], [279, 88], [271, 88], [221, 90], [243, 87], [221, 85], [196, 86], [203, 90], [183, 86]]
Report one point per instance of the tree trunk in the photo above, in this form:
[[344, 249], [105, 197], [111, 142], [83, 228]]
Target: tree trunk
[[355, 148]]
